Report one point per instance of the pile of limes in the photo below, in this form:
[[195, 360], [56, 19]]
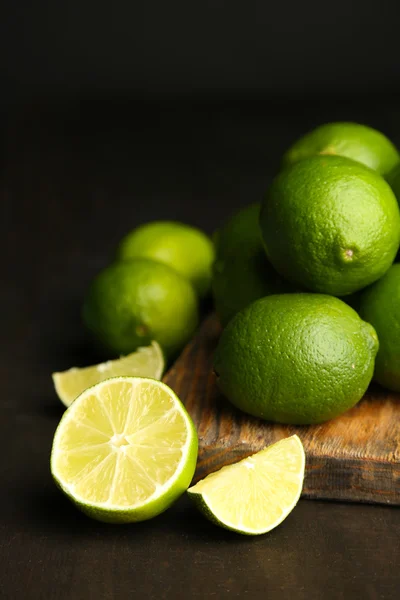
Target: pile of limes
[[288, 271], [285, 275], [126, 448], [152, 290]]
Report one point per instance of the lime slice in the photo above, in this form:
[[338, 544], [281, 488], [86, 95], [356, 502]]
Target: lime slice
[[124, 450], [256, 494], [145, 362]]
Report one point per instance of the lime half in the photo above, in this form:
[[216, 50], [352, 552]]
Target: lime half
[[256, 494], [144, 362], [124, 450]]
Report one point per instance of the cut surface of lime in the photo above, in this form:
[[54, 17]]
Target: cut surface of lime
[[147, 361], [257, 493], [124, 450]]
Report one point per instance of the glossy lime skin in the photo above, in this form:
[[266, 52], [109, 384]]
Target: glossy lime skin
[[296, 358], [358, 142], [330, 224]]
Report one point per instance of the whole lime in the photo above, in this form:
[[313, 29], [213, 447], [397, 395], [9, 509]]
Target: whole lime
[[296, 358], [182, 247], [380, 306], [240, 233], [241, 272], [330, 224], [131, 303], [393, 180], [359, 142], [239, 280]]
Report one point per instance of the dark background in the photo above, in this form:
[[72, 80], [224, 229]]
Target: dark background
[[60, 49], [112, 114]]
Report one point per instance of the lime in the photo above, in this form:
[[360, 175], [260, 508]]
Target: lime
[[380, 306], [358, 142], [145, 362], [131, 303], [241, 232], [182, 247], [296, 358], [394, 181], [241, 279], [124, 450], [256, 494], [331, 225], [241, 272]]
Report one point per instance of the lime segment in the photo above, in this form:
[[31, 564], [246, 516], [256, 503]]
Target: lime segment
[[256, 494], [145, 362], [124, 450]]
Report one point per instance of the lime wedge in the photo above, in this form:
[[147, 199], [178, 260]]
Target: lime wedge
[[144, 362], [124, 450], [256, 494]]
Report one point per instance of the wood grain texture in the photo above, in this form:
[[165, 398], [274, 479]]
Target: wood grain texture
[[353, 457]]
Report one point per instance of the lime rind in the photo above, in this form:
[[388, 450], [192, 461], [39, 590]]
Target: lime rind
[[163, 496], [202, 493]]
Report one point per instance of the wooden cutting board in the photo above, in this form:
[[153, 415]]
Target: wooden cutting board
[[353, 457]]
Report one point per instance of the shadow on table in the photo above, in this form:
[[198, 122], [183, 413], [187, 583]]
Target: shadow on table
[[45, 511]]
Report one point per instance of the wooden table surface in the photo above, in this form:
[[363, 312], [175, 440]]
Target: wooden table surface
[[72, 182]]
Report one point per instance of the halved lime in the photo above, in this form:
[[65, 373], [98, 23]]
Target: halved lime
[[144, 362], [257, 493], [124, 450]]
